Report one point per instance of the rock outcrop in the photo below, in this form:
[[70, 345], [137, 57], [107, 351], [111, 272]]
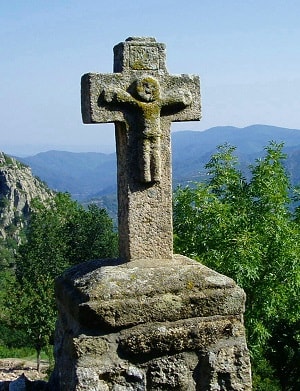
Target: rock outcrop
[[18, 187]]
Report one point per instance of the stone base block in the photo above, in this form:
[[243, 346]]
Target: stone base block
[[159, 325]]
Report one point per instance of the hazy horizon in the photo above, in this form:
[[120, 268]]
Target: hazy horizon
[[26, 150]]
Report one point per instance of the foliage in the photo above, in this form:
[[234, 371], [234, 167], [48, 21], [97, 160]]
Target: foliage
[[284, 353], [34, 309], [8, 248], [95, 237], [12, 351], [60, 233], [247, 230]]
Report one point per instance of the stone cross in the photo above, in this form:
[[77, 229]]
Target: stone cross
[[142, 99]]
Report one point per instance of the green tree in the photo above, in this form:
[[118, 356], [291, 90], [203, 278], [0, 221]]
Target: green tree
[[33, 311], [60, 233], [90, 235], [245, 229], [8, 248]]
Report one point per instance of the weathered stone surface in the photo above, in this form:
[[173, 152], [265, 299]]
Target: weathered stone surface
[[112, 297], [225, 368], [142, 99], [183, 335], [175, 372], [89, 346], [163, 326]]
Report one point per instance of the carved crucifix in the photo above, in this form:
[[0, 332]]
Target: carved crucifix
[[142, 99]]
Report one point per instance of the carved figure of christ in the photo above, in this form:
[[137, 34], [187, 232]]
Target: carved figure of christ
[[146, 100]]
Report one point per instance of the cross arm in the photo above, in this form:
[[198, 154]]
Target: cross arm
[[94, 108], [182, 92], [179, 97], [119, 95]]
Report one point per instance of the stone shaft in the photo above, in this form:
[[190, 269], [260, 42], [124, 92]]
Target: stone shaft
[[142, 99]]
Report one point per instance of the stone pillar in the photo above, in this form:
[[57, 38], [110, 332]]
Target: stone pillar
[[150, 320], [142, 99]]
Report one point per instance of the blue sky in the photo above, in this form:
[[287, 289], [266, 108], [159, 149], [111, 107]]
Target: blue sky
[[246, 53]]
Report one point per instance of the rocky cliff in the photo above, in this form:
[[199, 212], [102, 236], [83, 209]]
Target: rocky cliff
[[18, 187]]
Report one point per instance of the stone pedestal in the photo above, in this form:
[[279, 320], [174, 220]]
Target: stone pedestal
[[160, 325]]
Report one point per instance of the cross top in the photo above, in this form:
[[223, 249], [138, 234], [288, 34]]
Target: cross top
[[142, 99], [139, 53]]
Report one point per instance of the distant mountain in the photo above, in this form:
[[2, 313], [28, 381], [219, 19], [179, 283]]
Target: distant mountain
[[192, 150], [250, 139], [87, 175], [80, 174]]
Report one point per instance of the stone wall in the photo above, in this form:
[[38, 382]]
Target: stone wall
[[173, 325]]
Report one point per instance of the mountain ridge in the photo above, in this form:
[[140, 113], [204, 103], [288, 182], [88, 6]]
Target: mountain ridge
[[89, 174]]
